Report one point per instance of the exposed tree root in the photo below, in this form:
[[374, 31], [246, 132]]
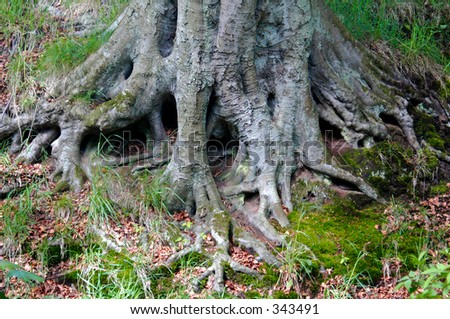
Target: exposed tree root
[[33, 151], [7, 190], [343, 175], [441, 155], [221, 227]]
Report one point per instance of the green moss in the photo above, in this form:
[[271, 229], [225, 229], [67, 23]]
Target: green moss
[[267, 281], [72, 277], [62, 186], [427, 127], [348, 240], [281, 295], [379, 182], [253, 295], [338, 233], [341, 206], [64, 202], [270, 277], [120, 104], [248, 280], [221, 222], [430, 159], [79, 173], [391, 168], [193, 259], [223, 295], [437, 143], [252, 282], [162, 281], [51, 252], [439, 189]]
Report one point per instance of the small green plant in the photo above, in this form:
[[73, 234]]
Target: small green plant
[[5, 159], [425, 166], [389, 21], [90, 97], [399, 212], [345, 285], [106, 11], [421, 40], [113, 275], [50, 252], [65, 53], [4, 145], [101, 208], [64, 207], [12, 270], [430, 280], [16, 217], [439, 189], [23, 20], [155, 190], [297, 264]]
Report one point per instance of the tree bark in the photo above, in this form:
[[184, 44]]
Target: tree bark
[[258, 72]]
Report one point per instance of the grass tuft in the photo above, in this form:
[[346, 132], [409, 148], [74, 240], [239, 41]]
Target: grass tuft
[[416, 27], [65, 53], [113, 275]]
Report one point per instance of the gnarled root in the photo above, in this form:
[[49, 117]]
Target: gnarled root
[[33, 152], [66, 150], [224, 231], [343, 175]]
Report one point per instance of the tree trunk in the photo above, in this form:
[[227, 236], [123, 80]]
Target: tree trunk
[[260, 73]]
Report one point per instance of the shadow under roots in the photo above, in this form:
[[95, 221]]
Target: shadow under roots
[[221, 155], [223, 145], [119, 144], [167, 28], [169, 114], [222, 148], [332, 136]]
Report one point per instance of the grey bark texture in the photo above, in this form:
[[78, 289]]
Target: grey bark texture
[[258, 72]]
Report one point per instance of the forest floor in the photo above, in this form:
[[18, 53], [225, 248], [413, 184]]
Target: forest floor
[[57, 242]]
